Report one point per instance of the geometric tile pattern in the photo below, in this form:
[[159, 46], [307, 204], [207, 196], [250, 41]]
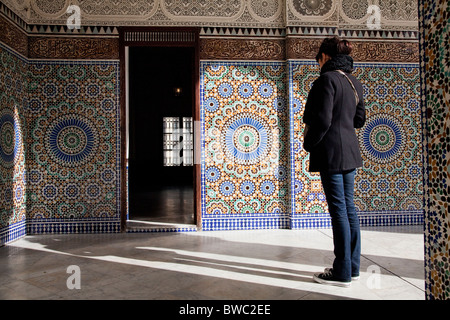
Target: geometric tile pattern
[[391, 177], [73, 159], [254, 169], [252, 180], [245, 164], [13, 89], [434, 22], [308, 196]]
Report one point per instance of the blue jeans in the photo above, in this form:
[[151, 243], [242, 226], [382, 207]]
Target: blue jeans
[[339, 190]]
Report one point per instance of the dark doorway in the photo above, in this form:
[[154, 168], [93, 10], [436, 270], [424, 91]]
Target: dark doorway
[[161, 98]]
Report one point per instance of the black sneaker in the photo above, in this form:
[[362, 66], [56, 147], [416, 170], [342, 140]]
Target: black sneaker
[[327, 278], [354, 278]]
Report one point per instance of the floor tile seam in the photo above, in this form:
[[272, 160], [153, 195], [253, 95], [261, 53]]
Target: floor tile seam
[[393, 273]]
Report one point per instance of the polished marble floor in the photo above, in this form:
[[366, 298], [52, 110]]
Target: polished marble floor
[[230, 265], [168, 204]]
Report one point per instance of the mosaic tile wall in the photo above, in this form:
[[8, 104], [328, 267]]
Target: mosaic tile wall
[[13, 98], [245, 158], [435, 35], [389, 186], [254, 169], [73, 159]]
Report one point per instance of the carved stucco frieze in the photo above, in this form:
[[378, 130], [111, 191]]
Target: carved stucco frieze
[[73, 48], [304, 48], [13, 37], [363, 51], [242, 49], [385, 51], [401, 14]]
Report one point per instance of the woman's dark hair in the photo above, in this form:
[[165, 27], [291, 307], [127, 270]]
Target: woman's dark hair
[[334, 46]]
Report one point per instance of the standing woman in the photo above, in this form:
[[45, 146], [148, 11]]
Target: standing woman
[[333, 110]]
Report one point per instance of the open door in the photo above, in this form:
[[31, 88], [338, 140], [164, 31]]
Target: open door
[[160, 104]]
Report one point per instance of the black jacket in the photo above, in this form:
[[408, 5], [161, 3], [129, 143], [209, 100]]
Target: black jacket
[[332, 116]]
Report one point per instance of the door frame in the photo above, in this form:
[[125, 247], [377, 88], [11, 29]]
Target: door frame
[[157, 37]]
